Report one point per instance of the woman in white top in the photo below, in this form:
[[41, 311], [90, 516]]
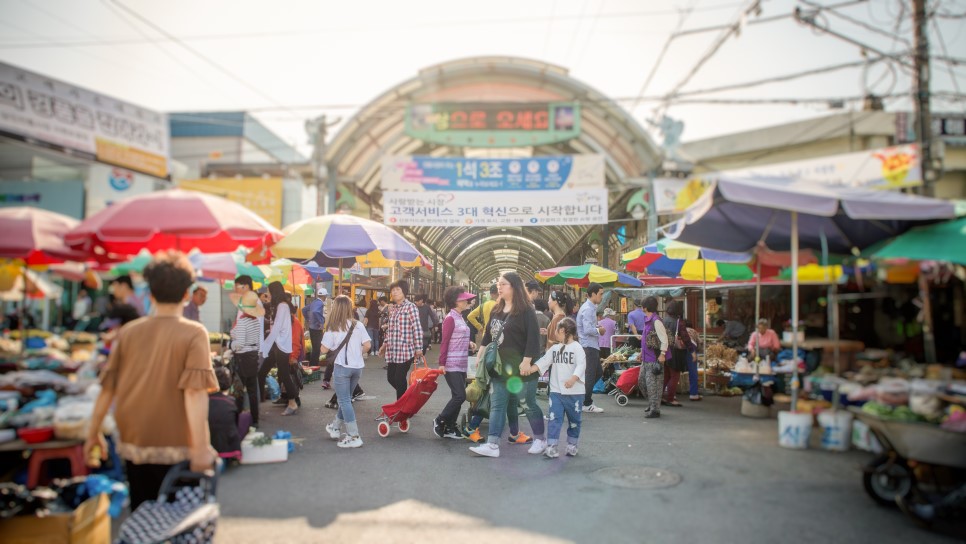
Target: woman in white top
[[278, 346], [349, 338]]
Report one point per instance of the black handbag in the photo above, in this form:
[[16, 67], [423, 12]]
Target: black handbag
[[679, 355]]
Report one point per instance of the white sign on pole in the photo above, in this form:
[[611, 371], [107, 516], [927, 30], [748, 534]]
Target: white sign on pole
[[495, 208]]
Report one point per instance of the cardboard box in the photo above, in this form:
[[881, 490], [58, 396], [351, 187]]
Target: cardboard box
[[88, 524]]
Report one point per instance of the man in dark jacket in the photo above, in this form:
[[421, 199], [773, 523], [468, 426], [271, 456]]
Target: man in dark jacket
[[427, 319]]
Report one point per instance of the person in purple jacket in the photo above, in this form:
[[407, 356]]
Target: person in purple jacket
[[453, 359]]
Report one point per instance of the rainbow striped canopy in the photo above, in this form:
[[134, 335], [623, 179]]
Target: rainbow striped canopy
[[584, 275], [674, 259]]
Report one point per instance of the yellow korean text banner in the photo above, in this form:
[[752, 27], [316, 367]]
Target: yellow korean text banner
[[260, 195]]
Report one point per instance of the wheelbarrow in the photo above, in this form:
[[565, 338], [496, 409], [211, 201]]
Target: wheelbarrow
[[922, 468]]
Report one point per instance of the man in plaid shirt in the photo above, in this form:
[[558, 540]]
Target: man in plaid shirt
[[404, 338]]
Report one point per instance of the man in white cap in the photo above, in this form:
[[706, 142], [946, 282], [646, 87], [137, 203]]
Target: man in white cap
[[610, 326], [314, 313]]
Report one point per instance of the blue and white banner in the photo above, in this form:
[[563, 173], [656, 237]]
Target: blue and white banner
[[549, 173]]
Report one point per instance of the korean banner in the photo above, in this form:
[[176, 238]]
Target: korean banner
[[550, 173], [260, 195], [535, 191], [495, 208], [35, 107]]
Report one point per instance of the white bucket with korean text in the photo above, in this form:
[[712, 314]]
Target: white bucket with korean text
[[836, 430], [794, 430]]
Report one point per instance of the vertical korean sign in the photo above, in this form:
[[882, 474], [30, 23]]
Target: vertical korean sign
[[456, 191]]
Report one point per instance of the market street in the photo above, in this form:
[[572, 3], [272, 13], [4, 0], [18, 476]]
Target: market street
[[736, 484]]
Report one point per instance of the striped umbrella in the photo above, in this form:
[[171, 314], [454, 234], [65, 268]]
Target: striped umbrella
[[584, 275], [678, 260]]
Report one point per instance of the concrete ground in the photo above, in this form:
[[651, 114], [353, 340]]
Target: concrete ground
[[736, 484]]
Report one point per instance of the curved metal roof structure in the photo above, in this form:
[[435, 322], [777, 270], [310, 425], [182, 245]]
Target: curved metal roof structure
[[378, 129]]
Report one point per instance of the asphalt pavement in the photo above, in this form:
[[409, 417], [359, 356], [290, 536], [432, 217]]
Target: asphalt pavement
[[700, 473]]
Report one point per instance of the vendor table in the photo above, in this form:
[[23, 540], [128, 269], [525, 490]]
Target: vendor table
[[71, 450], [847, 350]]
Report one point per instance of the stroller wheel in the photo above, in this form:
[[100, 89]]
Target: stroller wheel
[[383, 429], [404, 426], [622, 400]]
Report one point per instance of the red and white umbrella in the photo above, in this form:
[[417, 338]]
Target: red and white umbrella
[[36, 236], [172, 219]]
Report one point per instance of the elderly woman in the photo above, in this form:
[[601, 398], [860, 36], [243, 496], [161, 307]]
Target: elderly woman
[[653, 356], [764, 342], [454, 359]]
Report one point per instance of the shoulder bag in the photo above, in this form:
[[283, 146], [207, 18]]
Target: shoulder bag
[[334, 354]]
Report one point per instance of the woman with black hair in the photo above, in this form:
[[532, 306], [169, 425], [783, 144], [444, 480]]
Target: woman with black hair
[[561, 305], [278, 345], [680, 343], [513, 326]]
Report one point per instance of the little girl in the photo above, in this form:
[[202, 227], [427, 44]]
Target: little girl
[[566, 386]]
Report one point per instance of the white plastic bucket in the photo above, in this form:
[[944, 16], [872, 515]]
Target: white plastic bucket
[[794, 430], [836, 430]]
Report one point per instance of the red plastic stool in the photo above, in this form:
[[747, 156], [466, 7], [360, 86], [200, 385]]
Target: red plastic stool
[[74, 454]]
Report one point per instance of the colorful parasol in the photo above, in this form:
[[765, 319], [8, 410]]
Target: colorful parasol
[[584, 275], [677, 260], [342, 240]]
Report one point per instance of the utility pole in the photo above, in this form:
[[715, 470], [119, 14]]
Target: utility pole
[[924, 119], [923, 115], [324, 173]]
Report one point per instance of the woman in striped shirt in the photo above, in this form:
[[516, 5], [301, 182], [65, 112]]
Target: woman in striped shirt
[[246, 335], [453, 359]]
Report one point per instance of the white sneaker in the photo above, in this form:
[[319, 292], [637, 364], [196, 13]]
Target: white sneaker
[[572, 450], [538, 447], [334, 432], [551, 452], [593, 409], [486, 450], [350, 442]]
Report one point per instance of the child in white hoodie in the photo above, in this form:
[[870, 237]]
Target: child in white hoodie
[[568, 363]]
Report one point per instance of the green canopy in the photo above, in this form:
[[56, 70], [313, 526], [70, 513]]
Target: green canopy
[[939, 242]]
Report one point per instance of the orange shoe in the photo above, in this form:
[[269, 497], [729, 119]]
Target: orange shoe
[[475, 437], [520, 438]]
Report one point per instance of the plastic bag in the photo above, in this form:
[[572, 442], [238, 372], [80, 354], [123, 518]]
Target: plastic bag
[[274, 391], [600, 386], [759, 395]]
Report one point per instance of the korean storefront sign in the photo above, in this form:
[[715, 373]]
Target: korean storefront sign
[[494, 124], [483, 209], [54, 113]]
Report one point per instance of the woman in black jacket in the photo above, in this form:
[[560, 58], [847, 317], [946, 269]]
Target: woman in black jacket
[[513, 326]]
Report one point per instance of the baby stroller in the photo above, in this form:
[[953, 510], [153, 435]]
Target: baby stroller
[[624, 384], [399, 412]]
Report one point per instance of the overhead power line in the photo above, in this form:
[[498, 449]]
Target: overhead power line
[[366, 28], [241, 81]]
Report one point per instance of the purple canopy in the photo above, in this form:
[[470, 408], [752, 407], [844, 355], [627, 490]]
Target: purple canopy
[[786, 214], [734, 214]]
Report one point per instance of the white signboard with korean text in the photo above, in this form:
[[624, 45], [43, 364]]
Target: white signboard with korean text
[[495, 208], [459, 191], [36, 107]]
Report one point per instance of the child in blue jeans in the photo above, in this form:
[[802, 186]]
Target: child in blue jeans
[[567, 390]]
